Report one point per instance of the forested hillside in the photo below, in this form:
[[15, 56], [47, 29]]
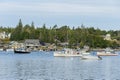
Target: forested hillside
[[75, 36]]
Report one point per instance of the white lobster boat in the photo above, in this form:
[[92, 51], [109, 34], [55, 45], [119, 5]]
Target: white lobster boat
[[107, 52], [67, 53], [89, 57]]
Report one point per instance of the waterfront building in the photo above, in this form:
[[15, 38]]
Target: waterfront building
[[4, 35], [32, 44]]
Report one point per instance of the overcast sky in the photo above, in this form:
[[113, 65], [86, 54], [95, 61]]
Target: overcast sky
[[103, 14]]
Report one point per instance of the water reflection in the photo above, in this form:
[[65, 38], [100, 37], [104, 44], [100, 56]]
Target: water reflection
[[21, 70], [30, 69], [41, 66]]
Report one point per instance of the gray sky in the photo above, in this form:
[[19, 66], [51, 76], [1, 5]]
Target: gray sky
[[103, 14]]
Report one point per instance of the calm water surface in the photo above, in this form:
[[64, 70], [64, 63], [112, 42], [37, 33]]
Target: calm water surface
[[43, 66]]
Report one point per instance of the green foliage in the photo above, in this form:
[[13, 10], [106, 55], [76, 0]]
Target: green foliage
[[17, 33], [76, 37]]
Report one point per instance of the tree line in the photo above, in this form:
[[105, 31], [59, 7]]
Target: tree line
[[79, 36]]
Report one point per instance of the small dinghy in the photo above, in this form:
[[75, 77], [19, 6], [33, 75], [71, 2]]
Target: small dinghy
[[21, 51], [89, 57]]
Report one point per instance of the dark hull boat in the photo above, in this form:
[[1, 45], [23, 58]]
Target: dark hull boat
[[21, 52]]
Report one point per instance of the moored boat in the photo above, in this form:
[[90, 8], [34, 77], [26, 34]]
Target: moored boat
[[89, 57], [107, 52], [21, 51], [67, 53]]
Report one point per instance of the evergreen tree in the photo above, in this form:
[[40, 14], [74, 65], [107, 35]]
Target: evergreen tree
[[17, 33], [32, 31]]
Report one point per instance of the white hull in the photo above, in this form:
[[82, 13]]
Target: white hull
[[106, 54], [66, 55], [85, 53], [91, 58], [9, 50], [1, 49]]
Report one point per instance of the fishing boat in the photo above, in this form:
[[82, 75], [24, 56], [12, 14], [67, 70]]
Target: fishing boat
[[104, 53], [90, 57], [67, 53], [107, 52], [21, 51]]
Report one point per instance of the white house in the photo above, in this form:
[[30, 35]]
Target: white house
[[107, 37], [4, 35]]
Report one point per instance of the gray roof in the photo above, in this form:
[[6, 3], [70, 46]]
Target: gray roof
[[32, 41], [64, 43]]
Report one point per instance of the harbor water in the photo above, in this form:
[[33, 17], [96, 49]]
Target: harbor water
[[44, 66]]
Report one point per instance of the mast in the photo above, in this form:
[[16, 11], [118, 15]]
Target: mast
[[55, 38], [67, 39]]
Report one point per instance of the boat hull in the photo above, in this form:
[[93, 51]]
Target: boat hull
[[67, 55], [62, 54], [91, 58], [106, 54], [22, 52]]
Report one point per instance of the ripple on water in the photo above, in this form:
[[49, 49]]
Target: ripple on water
[[43, 66]]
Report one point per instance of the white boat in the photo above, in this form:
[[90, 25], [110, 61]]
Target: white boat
[[104, 53], [85, 53], [1, 49], [107, 52], [21, 51], [89, 57], [85, 50], [67, 53], [10, 49]]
